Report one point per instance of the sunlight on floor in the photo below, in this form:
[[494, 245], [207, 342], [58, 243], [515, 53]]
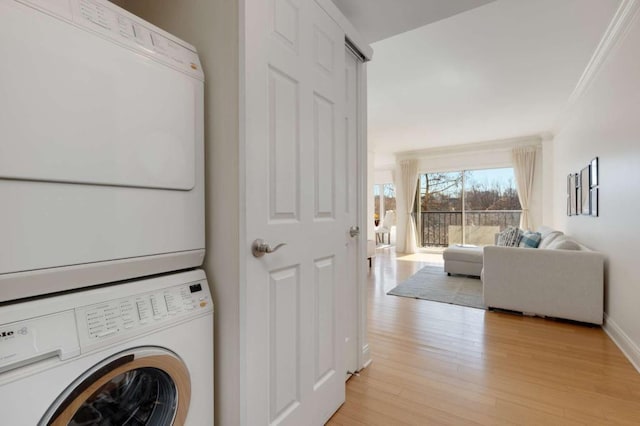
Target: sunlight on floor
[[421, 257]]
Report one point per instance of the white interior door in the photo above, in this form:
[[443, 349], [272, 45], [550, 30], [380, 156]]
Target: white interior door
[[295, 194], [354, 256]]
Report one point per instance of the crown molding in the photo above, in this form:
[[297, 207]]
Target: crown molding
[[484, 146], [615, 32]]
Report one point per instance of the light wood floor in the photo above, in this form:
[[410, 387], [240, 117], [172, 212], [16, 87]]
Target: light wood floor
[[435, 363]]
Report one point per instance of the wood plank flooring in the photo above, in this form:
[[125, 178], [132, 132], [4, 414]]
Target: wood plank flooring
[[440, 364]]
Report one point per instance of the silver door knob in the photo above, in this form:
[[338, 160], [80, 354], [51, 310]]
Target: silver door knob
[[260, 247], [354, 231]]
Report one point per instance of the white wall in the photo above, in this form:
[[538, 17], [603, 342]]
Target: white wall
[[212, 26], [371, 234], [483, 155], [605, 122], [382, 176]]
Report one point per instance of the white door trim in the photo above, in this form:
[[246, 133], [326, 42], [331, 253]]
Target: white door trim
[[364, 355]]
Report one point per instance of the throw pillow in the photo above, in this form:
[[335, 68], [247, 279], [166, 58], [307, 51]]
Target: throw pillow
[[510, 237], [530, 239]]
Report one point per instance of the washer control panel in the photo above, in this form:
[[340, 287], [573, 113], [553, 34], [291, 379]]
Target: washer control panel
[[138, 313]]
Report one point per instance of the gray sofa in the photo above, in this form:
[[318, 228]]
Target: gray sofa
[[561, 279]]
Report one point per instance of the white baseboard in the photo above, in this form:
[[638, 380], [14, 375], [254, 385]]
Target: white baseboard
[[620, 338]]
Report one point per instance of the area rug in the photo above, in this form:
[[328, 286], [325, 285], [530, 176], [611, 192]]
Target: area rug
[[432, 283]]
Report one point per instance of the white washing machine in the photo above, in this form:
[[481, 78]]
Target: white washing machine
[[136, 353]]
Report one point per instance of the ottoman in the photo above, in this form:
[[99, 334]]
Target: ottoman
[[463, 260]]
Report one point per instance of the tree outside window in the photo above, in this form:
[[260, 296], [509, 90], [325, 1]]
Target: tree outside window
[[466, 206]]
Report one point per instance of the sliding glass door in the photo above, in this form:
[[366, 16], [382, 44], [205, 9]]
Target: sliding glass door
[[439, 215], [465, 207]]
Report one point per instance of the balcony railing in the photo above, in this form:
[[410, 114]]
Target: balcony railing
[[441, 229]]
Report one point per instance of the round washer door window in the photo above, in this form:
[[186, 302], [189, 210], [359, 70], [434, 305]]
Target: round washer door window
[[142, 386]]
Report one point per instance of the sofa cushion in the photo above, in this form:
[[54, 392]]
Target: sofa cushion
[[549, 238], [564, 243], [510, 237], [463, 254], [530, 239]]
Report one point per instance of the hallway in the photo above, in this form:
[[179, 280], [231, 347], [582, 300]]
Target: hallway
[[435, 363]]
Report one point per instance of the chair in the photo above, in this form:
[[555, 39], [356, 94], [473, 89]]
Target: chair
[[388, 221]]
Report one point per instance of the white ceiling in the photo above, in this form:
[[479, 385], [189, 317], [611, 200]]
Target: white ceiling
[[502, 70], [380, 19]]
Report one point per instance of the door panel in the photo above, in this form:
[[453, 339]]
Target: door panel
[[285, 22], [284, 351], [295, 169], [323, 130], [324, 51], [324, 320], [284, 156]]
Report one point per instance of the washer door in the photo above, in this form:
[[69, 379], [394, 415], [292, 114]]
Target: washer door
[[141, 386]]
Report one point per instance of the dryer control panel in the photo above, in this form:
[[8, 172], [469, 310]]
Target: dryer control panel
[[134, 315], [111, 21]]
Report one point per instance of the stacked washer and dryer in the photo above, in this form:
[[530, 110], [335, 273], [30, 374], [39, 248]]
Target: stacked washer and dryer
[[104, 317]]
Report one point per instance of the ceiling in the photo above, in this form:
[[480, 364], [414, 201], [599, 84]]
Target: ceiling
[[502, 70], [380, 19]]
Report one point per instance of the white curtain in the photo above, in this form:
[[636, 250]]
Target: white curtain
[[524, 160], [409, 179]]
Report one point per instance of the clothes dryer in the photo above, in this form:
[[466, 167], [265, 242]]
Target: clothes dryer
[[102, 153]]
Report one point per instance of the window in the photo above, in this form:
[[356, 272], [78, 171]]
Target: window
[[389, 192], [384, 199], [376, 204], [466, 207], [440, 209]]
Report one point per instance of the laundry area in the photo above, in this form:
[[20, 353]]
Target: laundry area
[[105, 316], [183, 211]]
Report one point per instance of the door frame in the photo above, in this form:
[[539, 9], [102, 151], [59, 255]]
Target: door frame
[[357, 44], [364, 354]]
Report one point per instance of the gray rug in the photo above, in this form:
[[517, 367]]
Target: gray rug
[[432, 283]]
